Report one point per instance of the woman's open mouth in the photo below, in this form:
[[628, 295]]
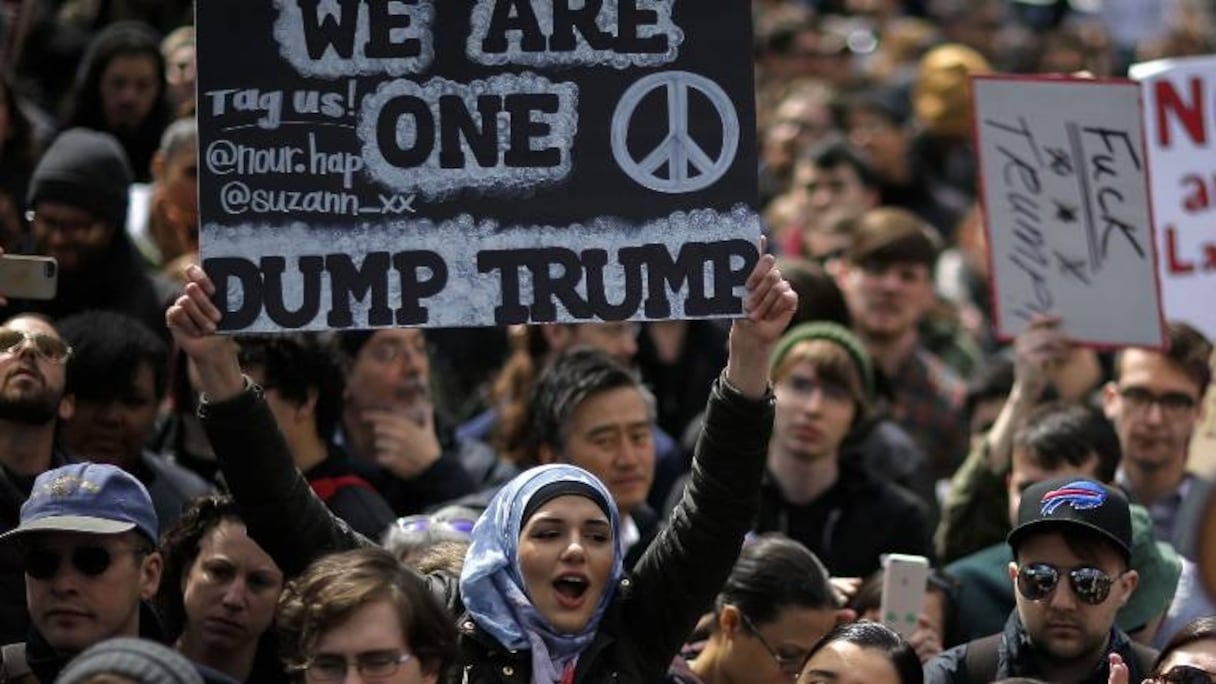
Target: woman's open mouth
[[571, 590]]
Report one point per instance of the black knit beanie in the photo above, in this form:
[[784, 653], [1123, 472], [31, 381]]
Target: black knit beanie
[[85, 169], [144, 661], [553, 490]]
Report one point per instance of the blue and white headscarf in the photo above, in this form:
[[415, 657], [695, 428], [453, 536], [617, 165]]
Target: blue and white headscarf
[[492, 585]]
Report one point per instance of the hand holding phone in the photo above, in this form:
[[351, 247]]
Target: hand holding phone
[[28, 277]]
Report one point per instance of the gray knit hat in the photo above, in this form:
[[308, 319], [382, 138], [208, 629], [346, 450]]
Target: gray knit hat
[[85, 169], [146, 662]]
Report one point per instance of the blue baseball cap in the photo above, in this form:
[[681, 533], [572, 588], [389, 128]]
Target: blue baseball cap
[[92, 498]]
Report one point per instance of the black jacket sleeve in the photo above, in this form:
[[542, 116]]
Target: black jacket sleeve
[[679, 575], [280, 510]]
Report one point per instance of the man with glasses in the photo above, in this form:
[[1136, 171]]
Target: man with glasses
[[362, 616], [1155, 404], [1072, 547], [389, 424], [78, 200], [1056, 439], [87, 540], [32, 401]]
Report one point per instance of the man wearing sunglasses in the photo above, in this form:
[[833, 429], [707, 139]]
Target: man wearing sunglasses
[[87, 540], [32, 401], [1072, 546]]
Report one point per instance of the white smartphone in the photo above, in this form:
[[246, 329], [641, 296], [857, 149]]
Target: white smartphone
[[28, 277], [904, 581]]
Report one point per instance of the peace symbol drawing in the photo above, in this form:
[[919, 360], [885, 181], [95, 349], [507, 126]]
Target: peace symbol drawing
[[689, 167]]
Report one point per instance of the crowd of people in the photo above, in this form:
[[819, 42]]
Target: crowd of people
[[692, 502]]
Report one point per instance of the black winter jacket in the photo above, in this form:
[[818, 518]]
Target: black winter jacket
[[1015, 658], [349, 496], [655, 607], [851, 525]]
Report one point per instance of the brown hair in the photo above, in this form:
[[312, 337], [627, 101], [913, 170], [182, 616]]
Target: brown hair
[[511, 390], [888, 235], [819, 297], [336, 586], [832, 364], [1189, 350], [180, 546], [446, 556], [1199, 629]]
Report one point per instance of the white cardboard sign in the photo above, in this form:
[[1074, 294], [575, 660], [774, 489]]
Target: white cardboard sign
[[1180, 123], [1065, 195]]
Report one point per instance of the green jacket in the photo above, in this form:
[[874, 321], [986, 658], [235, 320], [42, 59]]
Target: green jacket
[[976, 512]]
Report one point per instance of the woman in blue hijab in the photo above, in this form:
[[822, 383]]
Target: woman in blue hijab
[[544, 564], [542, 597]]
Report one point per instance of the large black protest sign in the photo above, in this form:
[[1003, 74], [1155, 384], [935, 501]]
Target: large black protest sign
[[370, 163]]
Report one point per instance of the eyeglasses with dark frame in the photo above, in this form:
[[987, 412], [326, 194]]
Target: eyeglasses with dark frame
[[1183, 674], [1037, 581], [58, 225], [385, 352], [49, 347], [790, 665], [1171, 403], [371, 665]]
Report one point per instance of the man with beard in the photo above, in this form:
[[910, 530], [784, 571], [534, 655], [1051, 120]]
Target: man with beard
[[32, 378], [1155, 403], [887, 281], [388, 423], [1071, 570]]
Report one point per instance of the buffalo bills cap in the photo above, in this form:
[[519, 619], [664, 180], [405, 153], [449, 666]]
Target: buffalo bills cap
[[87, 497], [1078, 503]]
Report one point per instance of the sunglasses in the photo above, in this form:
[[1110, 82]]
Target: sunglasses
[[90, 561], [1183, 674], [50, 347], [422, 523], [1036, 581]]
